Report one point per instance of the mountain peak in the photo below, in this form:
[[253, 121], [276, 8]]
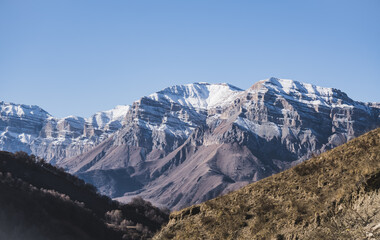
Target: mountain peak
[[232, 87], [8, 108], [197, 95], [289, 85]]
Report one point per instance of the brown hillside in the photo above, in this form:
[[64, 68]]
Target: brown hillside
[[332, 196]]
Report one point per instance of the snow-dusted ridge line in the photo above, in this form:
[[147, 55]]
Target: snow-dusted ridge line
[[312, 94], [198, 95], [9, 108], [289, 85], [31, 129], [25, 125]]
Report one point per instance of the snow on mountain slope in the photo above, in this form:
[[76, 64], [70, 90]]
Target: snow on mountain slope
[[22, 111], [308, 93], [174, 113], [110, 117], [56, 139], [33, 130], [198, 95], [20, 125]]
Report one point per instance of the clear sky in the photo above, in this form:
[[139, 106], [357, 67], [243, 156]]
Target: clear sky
[[76, 57]]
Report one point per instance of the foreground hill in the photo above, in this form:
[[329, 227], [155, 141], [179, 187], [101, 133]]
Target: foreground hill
[[39, 201], [331, 196]]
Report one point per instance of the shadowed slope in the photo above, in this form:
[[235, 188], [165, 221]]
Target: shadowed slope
[[39, 201]]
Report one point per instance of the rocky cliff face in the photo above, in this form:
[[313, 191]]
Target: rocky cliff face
[[31, 129], [187, 144]]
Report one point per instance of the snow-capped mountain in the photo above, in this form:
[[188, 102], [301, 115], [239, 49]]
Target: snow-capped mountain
[[186, 144], [198, 95], [31, 129], [157, 124], [20, 125], [189, 143]]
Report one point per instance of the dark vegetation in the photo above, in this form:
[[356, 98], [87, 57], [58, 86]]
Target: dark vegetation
[[335, 195], [40, 201]]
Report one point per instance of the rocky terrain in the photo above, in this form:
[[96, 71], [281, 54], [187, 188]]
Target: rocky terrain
[[334, 195], [190, 143]]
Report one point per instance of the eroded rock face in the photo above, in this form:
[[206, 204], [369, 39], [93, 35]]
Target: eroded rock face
[[187, 144]]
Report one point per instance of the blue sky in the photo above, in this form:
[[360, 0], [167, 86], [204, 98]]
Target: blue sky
[[78, 57]]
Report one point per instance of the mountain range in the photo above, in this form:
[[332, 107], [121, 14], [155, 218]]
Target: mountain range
[[190, 143]]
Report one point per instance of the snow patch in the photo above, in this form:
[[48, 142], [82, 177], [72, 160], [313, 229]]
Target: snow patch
[[267, 130]]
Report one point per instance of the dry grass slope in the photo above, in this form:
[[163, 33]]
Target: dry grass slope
[[332, 196]]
